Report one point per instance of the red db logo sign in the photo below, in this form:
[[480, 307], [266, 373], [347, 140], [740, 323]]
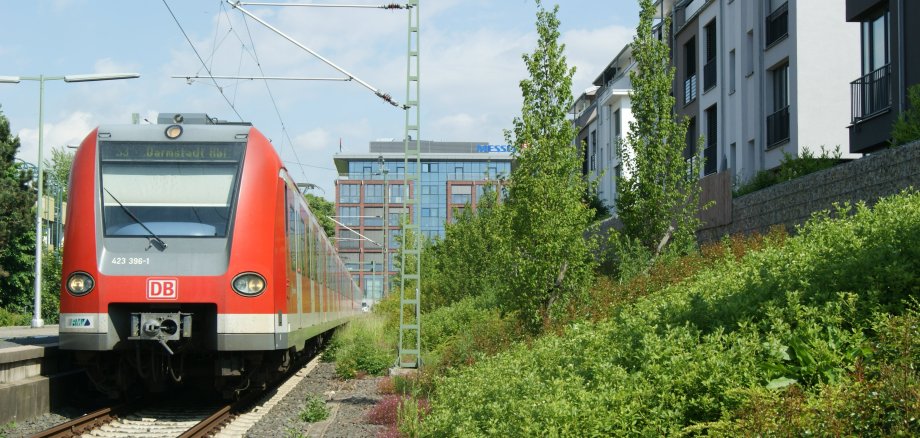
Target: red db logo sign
[[162, 289]]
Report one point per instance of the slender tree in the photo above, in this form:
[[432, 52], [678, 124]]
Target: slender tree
[[323, 210], [550, 260], [658, 193], [17, 233]]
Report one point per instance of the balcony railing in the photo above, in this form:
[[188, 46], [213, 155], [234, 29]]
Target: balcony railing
[[709, 74], [871, 94], [690, 89], [778, 127], [777, 25]]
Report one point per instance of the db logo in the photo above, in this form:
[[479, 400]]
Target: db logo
[[162, 289]]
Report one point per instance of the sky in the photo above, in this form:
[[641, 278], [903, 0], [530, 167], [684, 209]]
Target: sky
[[470, 56]]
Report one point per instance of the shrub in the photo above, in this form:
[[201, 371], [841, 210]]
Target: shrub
[[738, 339], [385, 411], [907, 127], [361, 347], [8, 318], [790, 167], [314, 410]]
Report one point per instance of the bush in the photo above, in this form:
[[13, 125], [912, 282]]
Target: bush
[[732, 341], [8, 318], [790, 167], [361, 347]]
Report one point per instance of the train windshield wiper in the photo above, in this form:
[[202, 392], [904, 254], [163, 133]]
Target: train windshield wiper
[[154, 240]]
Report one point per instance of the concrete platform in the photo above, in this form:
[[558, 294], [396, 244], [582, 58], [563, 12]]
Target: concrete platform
[[33, 374]]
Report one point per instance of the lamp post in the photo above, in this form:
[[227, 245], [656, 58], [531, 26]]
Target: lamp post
[[37, 312]]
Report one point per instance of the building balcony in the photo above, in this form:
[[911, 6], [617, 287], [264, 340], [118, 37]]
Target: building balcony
[[777, 25], [778, 127], [871, 94]]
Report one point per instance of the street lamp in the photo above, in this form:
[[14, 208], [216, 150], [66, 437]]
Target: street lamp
[[37, 312]]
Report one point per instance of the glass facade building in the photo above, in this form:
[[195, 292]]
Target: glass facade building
[[453, 174]]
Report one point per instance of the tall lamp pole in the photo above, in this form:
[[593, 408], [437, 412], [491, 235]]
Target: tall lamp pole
[[37, 312]]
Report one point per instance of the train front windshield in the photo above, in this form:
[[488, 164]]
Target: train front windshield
[[169, 189]]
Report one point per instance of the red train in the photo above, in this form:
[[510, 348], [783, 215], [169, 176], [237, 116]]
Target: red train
[[191, 255]]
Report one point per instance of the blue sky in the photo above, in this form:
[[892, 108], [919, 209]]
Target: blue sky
[[470, 68]]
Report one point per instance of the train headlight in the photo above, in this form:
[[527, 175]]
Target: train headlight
[[80, 283], [248, 284], [173, 131]]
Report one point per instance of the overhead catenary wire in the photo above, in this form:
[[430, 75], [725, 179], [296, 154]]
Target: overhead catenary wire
[[385, 96], [201, 60], [271, 95], [328, 5]]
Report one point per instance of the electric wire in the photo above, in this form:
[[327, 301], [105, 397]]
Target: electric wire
[[200, 59], [271, 95]]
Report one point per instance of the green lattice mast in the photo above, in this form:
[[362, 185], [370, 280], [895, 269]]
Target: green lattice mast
[[410, 333]]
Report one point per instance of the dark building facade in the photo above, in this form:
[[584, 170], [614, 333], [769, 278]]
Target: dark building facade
[[890, 48]]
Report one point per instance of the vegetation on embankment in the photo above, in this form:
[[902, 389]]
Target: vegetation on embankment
[[816, 333]]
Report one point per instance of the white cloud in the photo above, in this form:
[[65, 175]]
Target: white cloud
[[590, 50], [313, 140], [69, 131]]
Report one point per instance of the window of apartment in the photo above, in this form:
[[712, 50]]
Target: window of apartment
[[875, 43], [373, 193], [749, 54], [349, 193], [373, 216], [348, 239], [593, 143], [396, 193], [777, 25], [690, 147], [731, 71], [709, 70], [617, 131], [349, 216], [778, 121], [690, 71], [712, 135], [872, 91], [461, 194]]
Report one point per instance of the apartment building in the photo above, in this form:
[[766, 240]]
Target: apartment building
[[756, 79], [761, 79], [370, 191], [889, 49]]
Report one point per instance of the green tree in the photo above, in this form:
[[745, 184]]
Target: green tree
[[549, 258], [658, 193], [468, 260], [324, 210], [58, 172], [17, 233], [907, 128]]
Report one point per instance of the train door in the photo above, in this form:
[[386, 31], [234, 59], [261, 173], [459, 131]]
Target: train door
[[307, 292], [298, 242], [291, 272]]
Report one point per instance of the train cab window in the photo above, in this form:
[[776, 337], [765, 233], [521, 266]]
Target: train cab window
[[170, 189]]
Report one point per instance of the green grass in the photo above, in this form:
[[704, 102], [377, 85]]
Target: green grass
[[363, 346]]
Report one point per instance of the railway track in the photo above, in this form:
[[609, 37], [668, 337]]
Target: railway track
[[184, 417]]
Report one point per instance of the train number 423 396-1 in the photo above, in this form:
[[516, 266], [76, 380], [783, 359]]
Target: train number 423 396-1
[[130, 260]]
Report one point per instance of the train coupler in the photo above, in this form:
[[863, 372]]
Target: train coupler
[[161, 327]]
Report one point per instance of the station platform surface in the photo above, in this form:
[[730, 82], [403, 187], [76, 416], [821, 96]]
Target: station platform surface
[[11, 337]]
